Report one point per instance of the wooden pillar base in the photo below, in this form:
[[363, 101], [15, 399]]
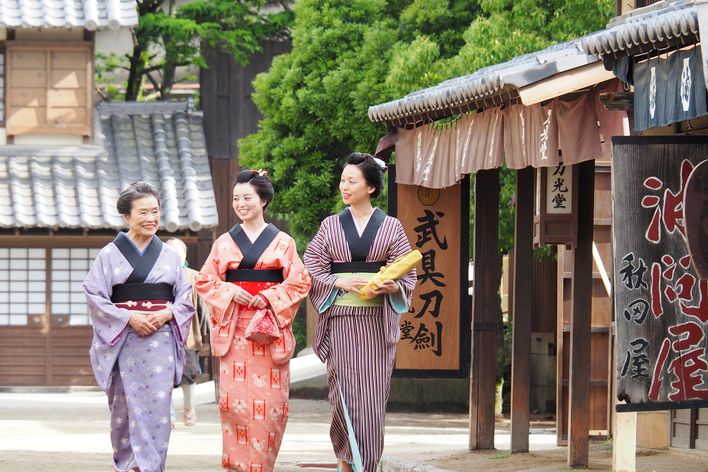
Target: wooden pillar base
[[624, 443]]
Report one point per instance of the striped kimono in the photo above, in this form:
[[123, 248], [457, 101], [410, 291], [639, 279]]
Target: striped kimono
[[358, 343], [254, 379]]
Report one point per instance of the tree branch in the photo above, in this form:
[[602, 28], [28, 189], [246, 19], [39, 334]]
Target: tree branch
[[152, 80], [147, 70]]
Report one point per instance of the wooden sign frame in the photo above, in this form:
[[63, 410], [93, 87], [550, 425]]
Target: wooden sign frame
[[660, 311], [554, 228], [463, 337]]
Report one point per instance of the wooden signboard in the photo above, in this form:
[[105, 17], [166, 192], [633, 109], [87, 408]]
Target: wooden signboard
[[556, 214], [661, 305], [435, 333], [695, 216]]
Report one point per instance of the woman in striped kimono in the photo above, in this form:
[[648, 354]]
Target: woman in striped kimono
[[252, 267], [140, 306], [356, 338]]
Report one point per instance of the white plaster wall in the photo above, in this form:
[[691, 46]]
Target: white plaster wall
[[114, 41], [49, 139]]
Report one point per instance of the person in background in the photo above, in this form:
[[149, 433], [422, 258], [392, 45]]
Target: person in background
[[195, 343]]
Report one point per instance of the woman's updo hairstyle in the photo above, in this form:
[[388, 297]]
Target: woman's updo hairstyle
[[260, 182], [372, 168], [135, 191]]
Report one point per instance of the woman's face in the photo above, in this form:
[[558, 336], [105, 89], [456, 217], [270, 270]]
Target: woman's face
[[353, 186], [144, 217], [247, 204]]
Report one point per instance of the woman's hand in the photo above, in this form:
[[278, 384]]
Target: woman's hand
[[141, 325], [387, 287], [160, 317], [257, 302], [355, 284], [242, 297]]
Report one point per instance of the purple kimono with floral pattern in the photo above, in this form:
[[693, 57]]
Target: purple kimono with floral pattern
[[138, 372]]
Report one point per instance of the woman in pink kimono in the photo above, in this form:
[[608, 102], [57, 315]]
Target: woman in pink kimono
[[357, 338], [252, 267], [140, 307]]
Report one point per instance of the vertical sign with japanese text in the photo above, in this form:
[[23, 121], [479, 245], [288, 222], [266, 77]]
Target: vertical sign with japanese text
[[661, 306], [433, 338], [559, 190]]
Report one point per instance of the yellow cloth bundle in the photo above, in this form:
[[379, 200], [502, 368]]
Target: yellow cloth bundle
[[393, 271]]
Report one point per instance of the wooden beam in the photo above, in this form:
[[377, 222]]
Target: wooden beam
[[581, 302], [523, 298], [565, 82], [487, 269]]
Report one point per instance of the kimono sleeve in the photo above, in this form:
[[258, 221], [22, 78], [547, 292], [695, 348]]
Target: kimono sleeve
[[401, 300], [284, 297], [182, 308], [318, 262], [108, 320], [211, 284]]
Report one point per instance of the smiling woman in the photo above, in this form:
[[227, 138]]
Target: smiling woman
[[139, 300], [253, 269], [357, 338]]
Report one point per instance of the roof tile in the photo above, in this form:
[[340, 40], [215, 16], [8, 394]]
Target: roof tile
[[89, 14], [77, 187]]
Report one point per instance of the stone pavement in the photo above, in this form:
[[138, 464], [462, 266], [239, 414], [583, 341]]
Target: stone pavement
[[69, 432]]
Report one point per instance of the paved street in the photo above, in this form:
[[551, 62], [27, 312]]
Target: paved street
[[65, 432], [58, 432]]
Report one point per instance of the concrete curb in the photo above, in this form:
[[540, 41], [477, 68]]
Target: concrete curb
[[395, 464]]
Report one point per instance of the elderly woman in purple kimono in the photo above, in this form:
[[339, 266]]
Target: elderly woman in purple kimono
[[139, 303]]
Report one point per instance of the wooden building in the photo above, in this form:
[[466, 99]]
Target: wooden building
[[657, 51], [230, 114], [63, 161], [539, 114]]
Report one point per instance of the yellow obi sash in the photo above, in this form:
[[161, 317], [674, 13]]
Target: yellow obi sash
[[352, 298]]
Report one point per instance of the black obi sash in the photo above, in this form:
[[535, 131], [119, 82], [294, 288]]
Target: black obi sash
[[135, 288], [359, 246], [252, 252]]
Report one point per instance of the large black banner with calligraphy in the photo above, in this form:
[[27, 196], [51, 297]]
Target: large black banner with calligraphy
[[435, 333], [661, 305]]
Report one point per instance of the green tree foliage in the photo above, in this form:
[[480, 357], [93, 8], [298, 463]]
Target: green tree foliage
[[168, 37], [350, 54]]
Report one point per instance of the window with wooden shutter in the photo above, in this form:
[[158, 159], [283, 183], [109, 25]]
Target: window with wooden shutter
[[48, 88]]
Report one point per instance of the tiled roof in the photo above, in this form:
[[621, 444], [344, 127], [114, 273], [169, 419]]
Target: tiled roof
[[657, 26], [162, 143], [77, 187], [500, 81], [89, 14]]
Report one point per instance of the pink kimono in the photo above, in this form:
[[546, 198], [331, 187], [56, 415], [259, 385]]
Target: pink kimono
[[254, 379]]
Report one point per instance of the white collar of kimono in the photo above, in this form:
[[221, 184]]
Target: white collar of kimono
[[252, 237], [360, 227]]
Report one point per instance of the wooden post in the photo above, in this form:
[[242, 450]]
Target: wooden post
[[579, 392], [624, 442], [484, 319], [521, 348]]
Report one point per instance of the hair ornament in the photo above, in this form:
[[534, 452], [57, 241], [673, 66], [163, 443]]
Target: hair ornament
[[380, 163], [261, 172]]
